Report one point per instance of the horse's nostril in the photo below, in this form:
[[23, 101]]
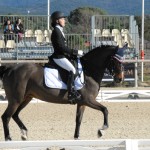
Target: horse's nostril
[[118, 80]]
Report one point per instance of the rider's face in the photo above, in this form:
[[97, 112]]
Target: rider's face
[[62, 21]]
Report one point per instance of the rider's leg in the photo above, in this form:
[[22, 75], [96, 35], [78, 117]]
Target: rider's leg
[[65, 64], [73, 95]]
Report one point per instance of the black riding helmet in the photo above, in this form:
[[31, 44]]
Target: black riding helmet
[[57, 15]]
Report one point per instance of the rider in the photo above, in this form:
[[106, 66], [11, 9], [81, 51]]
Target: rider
[[62, 52]]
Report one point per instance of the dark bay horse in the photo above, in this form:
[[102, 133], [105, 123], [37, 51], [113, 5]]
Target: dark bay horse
[[24, 81]]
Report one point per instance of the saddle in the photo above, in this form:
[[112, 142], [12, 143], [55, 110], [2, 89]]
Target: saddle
[[63, 73]]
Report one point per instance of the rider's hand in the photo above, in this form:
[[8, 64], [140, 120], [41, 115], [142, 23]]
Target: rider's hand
[[80, 52], [75, 52]]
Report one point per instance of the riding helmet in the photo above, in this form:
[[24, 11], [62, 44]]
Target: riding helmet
[[57, 15]]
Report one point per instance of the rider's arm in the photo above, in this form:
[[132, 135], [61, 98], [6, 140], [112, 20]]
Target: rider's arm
[[59, 43]]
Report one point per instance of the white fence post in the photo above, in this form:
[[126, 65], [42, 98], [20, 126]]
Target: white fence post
[[131, 144], [134, 145], [128, 145]]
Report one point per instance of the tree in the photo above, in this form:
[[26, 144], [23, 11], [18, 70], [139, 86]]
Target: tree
[[146, 26], [80, 19]]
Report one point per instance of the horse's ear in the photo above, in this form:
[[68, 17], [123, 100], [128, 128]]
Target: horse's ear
[[121, 50]]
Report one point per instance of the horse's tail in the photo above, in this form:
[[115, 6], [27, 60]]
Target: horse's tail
[[2, 71]]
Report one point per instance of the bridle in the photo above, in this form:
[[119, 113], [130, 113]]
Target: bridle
[[115, 66]]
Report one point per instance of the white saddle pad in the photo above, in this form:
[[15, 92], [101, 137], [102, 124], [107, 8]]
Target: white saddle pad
[[53, 79]]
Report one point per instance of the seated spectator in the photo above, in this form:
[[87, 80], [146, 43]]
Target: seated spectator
[[9, 34], [8, 22], [18, 29]]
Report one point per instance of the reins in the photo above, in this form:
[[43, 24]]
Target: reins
[[112, 66]]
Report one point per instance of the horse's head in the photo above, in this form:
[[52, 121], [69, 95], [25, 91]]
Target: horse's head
[[100, 58], [116, 69]]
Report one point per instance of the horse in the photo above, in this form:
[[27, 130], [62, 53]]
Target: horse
[[25, 81]]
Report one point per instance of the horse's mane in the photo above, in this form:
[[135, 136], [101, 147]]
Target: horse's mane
[[100, 52]]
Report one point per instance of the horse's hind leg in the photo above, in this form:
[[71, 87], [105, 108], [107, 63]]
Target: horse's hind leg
[[11, 108], [79, 115], [18, 121], [96, 105]]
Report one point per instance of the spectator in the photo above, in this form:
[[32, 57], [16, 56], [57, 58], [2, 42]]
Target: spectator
[[18, 29], [8, 22], [9, 34]]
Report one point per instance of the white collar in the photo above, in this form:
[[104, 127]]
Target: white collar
[[61, 29]]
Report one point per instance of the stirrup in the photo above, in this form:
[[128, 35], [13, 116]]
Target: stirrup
[[77, 95], [74, 98], [71, 99]]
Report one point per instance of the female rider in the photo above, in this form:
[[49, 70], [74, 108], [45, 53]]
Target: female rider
[[62, 52]]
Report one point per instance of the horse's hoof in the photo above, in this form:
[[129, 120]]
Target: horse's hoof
[[8, 139], [76, 138], [104, 127], [100, 133], [24, 135]]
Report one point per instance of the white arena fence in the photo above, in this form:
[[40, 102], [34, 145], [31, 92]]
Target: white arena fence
[[124, 95], [109, 95], [115, 144]]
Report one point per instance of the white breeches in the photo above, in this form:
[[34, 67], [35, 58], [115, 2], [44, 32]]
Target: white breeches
[[65, 64]]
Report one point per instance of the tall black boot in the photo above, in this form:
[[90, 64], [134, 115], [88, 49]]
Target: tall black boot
[[73, 95]]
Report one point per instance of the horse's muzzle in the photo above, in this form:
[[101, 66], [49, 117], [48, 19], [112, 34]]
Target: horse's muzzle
[[119, 77], [118, 80]]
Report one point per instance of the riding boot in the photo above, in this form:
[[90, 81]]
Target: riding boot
[[73, 95]]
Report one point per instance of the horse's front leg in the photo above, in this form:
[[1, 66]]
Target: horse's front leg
[[79, 115], [96, 105], [17, 119], [11, 108]]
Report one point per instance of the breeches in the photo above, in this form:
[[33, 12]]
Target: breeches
[[65, 64]]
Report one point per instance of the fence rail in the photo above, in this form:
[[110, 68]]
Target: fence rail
[[109, 95], [124, 95], [116, 144], [41, 60]]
